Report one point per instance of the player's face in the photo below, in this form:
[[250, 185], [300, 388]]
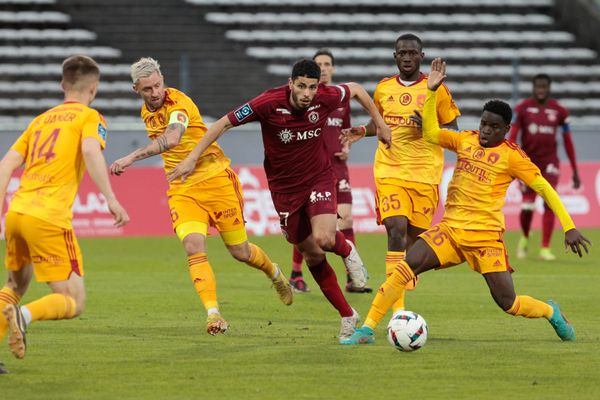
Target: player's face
[[303, 91], [327, 69], [408, 57], [152, 90], [492, 129], [541, 90]]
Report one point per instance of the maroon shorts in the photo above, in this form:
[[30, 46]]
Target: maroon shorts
[[296, 209], [342, 176], [550, 173]]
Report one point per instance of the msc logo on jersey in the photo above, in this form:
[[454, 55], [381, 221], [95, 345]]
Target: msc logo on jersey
[[405, 99], [286, 136], [243, 112], [313, 116], [102, 131], [319, 196], [337, 122]]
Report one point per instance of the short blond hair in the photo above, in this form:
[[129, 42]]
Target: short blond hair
[[143, 68], [78, 71]]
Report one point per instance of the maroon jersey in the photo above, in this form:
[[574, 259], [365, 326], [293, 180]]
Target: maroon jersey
[[539, 125], [336, 121], [295, 152]]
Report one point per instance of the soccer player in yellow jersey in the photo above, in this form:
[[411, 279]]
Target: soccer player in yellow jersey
[[56, 148], [408, 173], [473, 224], [211, 195]]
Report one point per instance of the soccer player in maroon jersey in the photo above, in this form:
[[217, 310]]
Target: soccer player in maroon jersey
[[538, 119], [336, 121], [299, 171]]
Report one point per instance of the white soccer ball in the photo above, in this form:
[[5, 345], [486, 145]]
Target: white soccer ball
[[407, 331]]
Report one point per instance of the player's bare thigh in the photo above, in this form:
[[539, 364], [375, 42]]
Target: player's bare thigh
[[323, 230], [421, 257], [344, 210], [73, 287], [312, 252]]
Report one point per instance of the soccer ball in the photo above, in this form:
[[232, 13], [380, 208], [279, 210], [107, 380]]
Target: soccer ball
[[407, 331]]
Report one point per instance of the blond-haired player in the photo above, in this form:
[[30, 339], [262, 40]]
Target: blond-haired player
[[56, 148], [408, 173], [212, 194], [473, 224]]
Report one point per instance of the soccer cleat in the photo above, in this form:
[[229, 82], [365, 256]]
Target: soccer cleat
[[561, 324], [17, 341], [349, 325], [216, 324], [363, 335], [350, 288], [2, 369], [546, 254], [283, 287], [299, 285], [522, 247], [355, 267]]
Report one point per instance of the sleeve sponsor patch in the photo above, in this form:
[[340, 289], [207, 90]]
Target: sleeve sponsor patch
[[102, 131], [243, 112]]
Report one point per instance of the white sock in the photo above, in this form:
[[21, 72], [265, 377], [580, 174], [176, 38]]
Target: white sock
[[212, 310], [276, 273], [26, 315]]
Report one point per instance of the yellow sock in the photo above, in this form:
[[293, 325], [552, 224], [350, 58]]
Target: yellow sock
[[53, 306], [204, 280], [528, 307], [389, 293], [7, 296], [391, 260], [260, 260]]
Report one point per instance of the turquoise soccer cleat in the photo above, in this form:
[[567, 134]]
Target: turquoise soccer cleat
[[561, 325], [363, 335]]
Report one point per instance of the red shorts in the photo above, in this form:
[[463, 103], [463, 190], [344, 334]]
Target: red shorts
[[296, 209], [550, 172], [342, 176]]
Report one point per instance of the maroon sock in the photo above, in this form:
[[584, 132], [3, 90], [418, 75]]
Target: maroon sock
[[349, 233], [547, 227], [526, 217], [341, 247], [325, 277], [297, 259]]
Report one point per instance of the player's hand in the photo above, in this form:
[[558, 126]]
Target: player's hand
[[384, 134], [417, 118], [182, 170], [345, 153], [118, 212], [437, 74], [576, 181], [118, 167], [353, 134], [574, 239]]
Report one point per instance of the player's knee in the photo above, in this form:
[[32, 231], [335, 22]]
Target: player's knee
[[240, 252], [324, 241], [345, 222], [79, 306], [193, 247]]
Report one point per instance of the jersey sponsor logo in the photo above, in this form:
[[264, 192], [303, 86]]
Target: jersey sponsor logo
[[313, 116], [533, 110], [534, 129], [405, 99], [552, 169], [479, 153], [229, 213], [286, 136], [319, 196], [344, 185], [314, 107], [243, 112], [313, 133], [481, 174], [491, 252], [399, 120], [102, 131], [337, 122], [493, 158], [283, 111]]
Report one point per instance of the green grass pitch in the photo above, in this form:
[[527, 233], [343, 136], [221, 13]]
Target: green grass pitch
[[142, 335]]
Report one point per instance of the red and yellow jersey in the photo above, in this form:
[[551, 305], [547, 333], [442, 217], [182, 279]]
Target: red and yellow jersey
[[477, 191], [54, 165], [410, 157], [213, 160]]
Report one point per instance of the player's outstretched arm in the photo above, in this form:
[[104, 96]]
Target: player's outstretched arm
[[187, 166], [96, 167], [431, 127], [9, 163], [384, 133]]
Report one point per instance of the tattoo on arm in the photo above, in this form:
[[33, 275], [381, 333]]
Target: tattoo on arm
[[163, 143]]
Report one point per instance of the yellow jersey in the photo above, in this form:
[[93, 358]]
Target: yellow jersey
[[54, 165], [410, 157], [477, 191], [211, 162]]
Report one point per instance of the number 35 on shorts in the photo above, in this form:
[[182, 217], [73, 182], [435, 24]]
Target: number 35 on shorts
[[390, 202]]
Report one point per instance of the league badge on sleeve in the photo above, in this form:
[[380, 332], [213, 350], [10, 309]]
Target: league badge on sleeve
[[243, 112], [102, 131]]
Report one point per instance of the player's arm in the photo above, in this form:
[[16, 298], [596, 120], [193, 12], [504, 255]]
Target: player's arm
[[178, 122], [570, 150], [187, 166], [9, 163], [96, 167], [378, 125]]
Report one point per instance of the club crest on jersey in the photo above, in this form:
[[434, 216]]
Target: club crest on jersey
[[493, 158], [102, 131], [479, 153], [243, 112], [313, 116], [405, 99]]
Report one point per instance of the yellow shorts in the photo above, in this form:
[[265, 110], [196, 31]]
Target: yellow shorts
[[483, 250], [217, 201], [53, 251], [414, 200]]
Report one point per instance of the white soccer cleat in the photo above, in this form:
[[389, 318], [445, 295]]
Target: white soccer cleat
[[349, 324], [355, 267], [546, 254]]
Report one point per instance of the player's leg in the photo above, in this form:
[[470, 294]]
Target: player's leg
[[296, 278], [11, 317], [551, 176], [525, 219], [345, 223]]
